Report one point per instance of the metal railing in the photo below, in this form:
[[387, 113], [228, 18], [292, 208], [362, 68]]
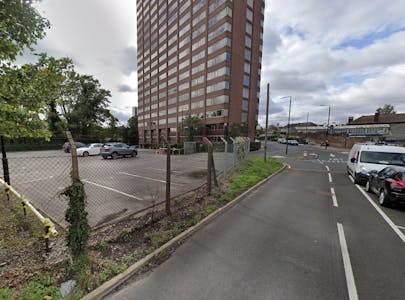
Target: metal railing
[[49, 227]]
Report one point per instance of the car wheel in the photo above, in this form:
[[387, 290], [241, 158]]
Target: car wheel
[[357, 179], [85, 153], [133, 154], [368, 189], [114, 155], [105, 157], [383, 198]]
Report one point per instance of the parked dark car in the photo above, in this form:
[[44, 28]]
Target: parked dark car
[[66, 146], [388, 184], [114, 150]]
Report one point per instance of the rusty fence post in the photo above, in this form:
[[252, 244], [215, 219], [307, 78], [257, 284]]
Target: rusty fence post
[[168, 171], [210, 171]]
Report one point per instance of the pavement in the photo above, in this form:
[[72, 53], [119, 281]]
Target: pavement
[[308, 233]]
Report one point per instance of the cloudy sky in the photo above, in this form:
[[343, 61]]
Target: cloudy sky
[[347, 54]]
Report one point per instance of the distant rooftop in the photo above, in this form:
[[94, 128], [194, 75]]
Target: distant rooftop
[[379, 119]]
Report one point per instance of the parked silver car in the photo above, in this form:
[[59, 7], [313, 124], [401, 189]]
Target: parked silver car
[[114, 150], [293, 142]]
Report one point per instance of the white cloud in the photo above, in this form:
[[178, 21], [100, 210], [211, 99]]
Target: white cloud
[[307, 55], [100, 36]]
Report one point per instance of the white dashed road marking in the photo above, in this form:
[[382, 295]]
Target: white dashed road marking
[[334, 199], [351, 285]]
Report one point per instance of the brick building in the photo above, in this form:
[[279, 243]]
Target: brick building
[[198, 58]]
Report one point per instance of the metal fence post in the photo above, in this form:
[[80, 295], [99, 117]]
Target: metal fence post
[[234, 152], [5, 161], [6, 173], [168, 171], [209, 170], [226, 159]]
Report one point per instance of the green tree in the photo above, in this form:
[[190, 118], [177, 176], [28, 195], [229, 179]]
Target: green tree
[[238, 129], [259, 132], [78, 102], [387, 109], [55, 74], [84, 104], [133, 134], [21, 104], [191, 127], [21, 26]]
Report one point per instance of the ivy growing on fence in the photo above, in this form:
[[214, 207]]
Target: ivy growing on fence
[[76, 215]]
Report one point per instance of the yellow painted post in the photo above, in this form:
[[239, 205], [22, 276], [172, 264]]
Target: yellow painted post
[[49, 227]]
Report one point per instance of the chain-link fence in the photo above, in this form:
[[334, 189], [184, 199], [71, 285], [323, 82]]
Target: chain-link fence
[[117, 187]]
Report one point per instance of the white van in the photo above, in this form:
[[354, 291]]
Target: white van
[[364, 158]]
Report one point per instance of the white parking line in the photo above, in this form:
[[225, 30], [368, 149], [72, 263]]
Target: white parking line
[[327, 168], [148, 178], [334, 199], [351, 285], [401, 227], [36, 180], [164, 170], [385, 217], [351, 178], [330, 177], [111, 189]]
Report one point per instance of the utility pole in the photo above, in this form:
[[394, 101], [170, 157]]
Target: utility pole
[[267, 121], [306, 127], [288, 127], [327, 130]]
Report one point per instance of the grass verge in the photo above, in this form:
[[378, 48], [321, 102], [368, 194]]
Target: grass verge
[[112, 256]]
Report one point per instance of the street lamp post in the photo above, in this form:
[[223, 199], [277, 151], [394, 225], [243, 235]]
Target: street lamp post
[[327, 129], [288, 124], [267, 121], [306, 127]]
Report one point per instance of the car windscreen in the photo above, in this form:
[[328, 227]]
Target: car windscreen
[[384, 158]]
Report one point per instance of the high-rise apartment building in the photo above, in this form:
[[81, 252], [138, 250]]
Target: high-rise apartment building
[[198, 58]]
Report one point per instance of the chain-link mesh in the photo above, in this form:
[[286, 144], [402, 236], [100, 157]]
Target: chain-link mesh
[[115, 187], [41, 177]]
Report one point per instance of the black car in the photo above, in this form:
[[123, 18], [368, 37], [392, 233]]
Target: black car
[[388, 184]]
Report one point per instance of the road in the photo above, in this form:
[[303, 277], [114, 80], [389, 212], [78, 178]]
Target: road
[[308, 233]]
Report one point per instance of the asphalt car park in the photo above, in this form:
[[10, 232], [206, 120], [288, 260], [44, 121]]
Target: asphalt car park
[[113, 187]]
